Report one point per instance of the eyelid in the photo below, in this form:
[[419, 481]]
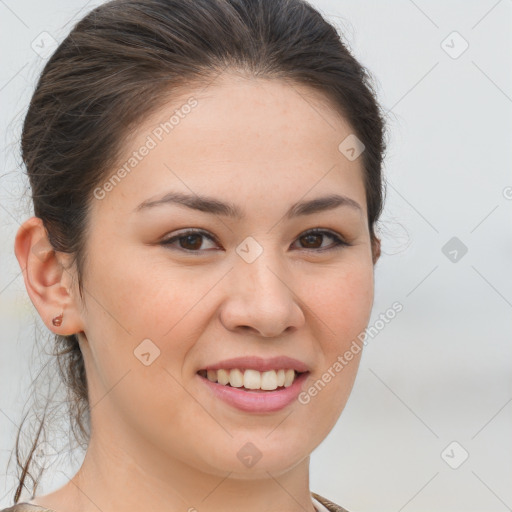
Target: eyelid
[[168, 240], [340, 241], [188, 231]]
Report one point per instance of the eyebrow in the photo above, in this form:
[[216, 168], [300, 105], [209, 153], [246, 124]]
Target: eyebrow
[[214, 206]]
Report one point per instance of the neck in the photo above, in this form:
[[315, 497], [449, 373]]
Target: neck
[[146, 478]]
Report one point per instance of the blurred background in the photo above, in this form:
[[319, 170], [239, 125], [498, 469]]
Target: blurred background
[[429, 423]]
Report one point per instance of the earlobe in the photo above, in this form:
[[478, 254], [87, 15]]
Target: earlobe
[[47, 281]]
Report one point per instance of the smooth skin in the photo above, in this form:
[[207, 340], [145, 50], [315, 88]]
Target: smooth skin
[[160, 440]]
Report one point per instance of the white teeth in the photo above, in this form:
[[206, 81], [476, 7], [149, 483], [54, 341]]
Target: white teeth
[[253, 379], [222, 377], [236, 378], [288, 378], [269, 380]]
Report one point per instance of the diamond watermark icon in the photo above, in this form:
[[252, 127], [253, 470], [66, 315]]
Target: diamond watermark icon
[[42, 249], [44, 45], [454, 45], [454, 455], [454, 249], [351, 147], [249, 249], [146, 352], [249, 455]]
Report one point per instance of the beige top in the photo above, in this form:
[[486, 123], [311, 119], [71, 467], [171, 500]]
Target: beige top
[[320, 503]]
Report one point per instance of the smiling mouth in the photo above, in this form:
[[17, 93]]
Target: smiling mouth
[[252, 380]]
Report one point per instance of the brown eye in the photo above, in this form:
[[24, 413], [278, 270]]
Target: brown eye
[[193, 241], [189, 241], [314, 240]]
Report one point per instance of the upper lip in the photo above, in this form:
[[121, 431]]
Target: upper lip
[[259, 364]]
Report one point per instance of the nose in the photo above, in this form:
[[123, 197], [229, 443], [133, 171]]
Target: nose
[[260, 298]]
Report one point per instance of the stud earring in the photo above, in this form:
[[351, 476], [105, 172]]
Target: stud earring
[[57, 321]]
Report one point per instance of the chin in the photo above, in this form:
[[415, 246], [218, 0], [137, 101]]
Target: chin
[[253, 456]]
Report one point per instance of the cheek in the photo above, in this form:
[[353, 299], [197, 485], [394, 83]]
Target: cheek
[[139, 330], [341, 299], [141, 299], [134, 302], [342, 304]]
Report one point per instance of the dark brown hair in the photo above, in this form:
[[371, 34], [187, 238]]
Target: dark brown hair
[[123, 61]]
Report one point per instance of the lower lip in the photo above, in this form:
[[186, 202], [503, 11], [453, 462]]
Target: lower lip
[[257, 401]]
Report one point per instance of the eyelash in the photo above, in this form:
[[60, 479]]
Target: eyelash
[[339, 243]]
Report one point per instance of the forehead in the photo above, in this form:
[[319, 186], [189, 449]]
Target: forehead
[[269, 137]]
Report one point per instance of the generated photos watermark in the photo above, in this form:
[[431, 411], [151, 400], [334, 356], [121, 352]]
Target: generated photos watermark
[[343, 360], [152, 141]]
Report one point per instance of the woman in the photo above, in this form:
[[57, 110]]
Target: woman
[[206, 179]]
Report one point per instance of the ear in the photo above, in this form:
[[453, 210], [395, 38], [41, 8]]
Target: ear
[[49, 278], [375, 249]]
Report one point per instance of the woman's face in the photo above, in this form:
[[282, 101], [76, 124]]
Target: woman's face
[[245, 162]]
